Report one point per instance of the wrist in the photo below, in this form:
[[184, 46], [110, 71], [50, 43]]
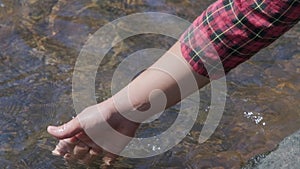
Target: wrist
[[108, 106], [115, 117]]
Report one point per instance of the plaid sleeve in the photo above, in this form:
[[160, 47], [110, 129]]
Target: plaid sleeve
[[229, 32]]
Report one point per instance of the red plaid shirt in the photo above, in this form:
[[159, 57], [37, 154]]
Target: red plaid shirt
[[229, 32]]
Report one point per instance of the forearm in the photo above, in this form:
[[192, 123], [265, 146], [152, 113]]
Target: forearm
[[162, 85]]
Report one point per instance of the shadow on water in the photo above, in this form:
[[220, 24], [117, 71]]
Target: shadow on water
[[40, 41]]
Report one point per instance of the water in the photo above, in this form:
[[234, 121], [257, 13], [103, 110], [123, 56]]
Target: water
[[40, 41]]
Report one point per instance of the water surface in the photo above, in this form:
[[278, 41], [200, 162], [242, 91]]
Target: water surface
[[40, 41]]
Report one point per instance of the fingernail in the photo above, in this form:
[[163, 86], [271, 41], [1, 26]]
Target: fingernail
[[56, 129], [55, 152], [51, 128], [107, 161], [67, 156]]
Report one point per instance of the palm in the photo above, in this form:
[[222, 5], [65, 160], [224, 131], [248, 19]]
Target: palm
[[85, 137]]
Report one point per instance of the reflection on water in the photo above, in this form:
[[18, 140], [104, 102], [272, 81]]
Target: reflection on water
[[40, 41]]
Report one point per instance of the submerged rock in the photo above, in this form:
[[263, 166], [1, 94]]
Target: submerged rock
[[285, 156]]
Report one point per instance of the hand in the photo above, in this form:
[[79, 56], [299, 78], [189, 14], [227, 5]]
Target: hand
[[88, 136]]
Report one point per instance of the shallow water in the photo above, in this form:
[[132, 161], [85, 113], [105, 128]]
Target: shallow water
[[40, 41]]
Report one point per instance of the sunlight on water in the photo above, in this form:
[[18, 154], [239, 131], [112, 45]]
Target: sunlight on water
[[256, 117]]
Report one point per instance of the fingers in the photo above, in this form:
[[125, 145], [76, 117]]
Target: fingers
[[80, 151], [83, 137], [91, 156], [109, 158], [72, 149], [66, 130], [65, 146]]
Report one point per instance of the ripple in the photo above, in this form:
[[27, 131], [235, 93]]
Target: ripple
[[13, 104], [45, 93]]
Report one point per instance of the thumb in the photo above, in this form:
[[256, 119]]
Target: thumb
[[66, 130]]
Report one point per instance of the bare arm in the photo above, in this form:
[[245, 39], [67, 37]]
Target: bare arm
[[162, 85]]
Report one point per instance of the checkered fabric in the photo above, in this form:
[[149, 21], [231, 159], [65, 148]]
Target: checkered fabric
[[229, 32]]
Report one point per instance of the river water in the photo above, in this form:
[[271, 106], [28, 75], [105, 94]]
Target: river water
[[40, 42]]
